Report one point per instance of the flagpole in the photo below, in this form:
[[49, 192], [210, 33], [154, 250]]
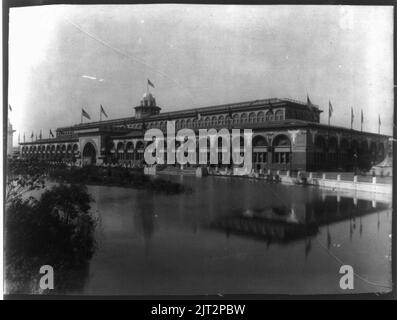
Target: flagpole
[[351, 123], [329, 121], [362, 120], [100, 114]]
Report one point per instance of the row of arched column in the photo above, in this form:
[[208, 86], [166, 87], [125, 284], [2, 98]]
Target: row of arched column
[[268, 152], [125, 152], [56, 152]]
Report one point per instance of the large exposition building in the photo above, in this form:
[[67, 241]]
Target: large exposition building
[[287, 135]]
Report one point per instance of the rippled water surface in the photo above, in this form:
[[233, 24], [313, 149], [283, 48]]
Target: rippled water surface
[[234, 235]]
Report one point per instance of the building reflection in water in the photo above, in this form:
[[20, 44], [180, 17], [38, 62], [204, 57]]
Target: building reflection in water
[[298, 221], [146, 218]]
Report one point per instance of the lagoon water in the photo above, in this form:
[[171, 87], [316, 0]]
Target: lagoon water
[[237, 236]]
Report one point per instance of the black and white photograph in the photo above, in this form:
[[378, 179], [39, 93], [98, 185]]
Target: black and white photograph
[[188, 150]]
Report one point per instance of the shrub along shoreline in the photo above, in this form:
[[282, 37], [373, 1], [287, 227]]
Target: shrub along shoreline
[[115, 177]]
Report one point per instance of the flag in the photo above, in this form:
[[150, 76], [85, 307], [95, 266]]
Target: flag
[[103, 112], [150, 83], [9, 107], [309, 103], [40, 135], [330, 109], [362, 117], [85, 114], [24, 137], [352, 117], [32, 135], [379, 122], [51, 134]]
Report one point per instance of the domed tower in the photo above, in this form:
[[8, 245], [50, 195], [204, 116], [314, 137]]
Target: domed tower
[[147, 107], [10, 134]]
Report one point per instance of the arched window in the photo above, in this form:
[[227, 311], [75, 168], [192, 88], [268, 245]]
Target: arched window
[[320, 144], [381, 152], [259, 152], [320, 152], [63, 151], [140, 149], [282, 150], [120, 147], [261, 116], [269, 116], [252, 117], [279, 115], [130, 150], [69, 152], [214, 121], [236, 119]]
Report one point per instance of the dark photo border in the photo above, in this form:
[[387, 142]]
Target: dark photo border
[[189, 300]]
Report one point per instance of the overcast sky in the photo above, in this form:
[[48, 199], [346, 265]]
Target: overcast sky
[[64, 58]]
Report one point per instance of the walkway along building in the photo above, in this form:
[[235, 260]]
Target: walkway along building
[[287, 135]]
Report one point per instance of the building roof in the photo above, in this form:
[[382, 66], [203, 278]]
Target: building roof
[[203, 111]]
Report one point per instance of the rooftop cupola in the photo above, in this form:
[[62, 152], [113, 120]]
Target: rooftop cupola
[[147, 107]]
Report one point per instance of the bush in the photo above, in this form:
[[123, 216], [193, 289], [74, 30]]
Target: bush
[[57, 230]]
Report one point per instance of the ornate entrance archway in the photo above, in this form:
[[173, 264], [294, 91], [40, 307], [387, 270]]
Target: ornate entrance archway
[[89, 154]]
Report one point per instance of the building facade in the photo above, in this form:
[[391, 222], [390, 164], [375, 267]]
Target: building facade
[[287, 135]]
